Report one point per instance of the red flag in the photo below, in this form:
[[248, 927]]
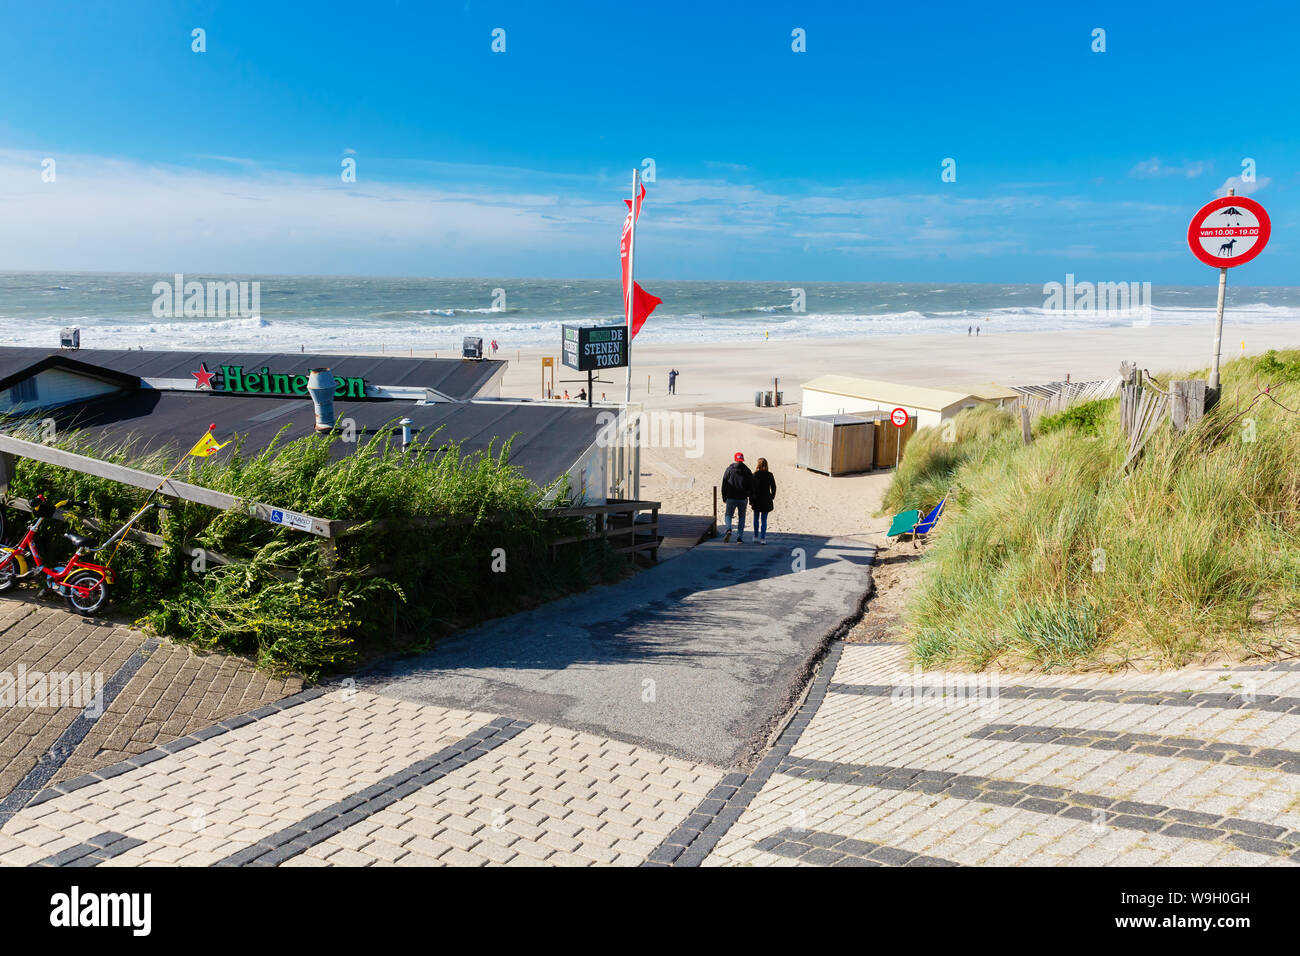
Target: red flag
[[643, 303]]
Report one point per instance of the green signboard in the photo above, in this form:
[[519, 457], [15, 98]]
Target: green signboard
[[589, 349], [233, 378]]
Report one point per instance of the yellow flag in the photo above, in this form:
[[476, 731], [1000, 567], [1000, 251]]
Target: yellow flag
[[207, 445]]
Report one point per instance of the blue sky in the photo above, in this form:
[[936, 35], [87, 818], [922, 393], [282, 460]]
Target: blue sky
[[770, 164]]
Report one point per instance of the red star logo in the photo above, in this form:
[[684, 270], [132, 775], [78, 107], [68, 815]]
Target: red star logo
[[203, 376]]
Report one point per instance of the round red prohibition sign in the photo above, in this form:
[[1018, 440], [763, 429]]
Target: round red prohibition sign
[[1228, 232], [899, 417]]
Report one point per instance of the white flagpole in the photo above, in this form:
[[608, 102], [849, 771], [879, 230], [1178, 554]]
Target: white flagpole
[[628, 297], [633, 467]]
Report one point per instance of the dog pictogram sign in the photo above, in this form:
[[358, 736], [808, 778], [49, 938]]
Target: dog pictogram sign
[[899, 417], [1228, 232]]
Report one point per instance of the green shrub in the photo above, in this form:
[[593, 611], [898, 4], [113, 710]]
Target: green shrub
[[280, 601], [1086, 417], [1276, 368]]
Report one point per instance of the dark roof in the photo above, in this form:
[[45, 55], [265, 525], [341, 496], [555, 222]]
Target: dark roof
[[857, 418], [550, 438], [455, 378]]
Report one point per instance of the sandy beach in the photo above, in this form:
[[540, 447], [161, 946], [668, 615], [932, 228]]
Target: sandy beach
[[719, 377]]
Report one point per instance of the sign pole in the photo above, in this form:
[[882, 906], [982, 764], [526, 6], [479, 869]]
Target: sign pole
[[1218, 331], [1218, 322]]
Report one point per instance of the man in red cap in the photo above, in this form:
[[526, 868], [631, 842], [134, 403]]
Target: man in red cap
[[737, 483]]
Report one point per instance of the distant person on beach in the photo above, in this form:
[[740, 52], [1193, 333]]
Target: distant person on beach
[[566, 394], [737, 483], [977, 331], [672, 382], [582, 394], [969, 329], [494, 346], [762, 496]]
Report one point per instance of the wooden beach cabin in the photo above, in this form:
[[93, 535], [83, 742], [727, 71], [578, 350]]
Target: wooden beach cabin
[[836, 444], [846, 395], [850, 444]]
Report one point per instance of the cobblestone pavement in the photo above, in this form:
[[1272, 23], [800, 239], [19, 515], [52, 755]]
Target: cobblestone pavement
[[152, 692], [1186, 768]]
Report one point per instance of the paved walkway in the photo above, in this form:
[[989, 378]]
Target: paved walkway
[[697, 657], [79, 694], [1186, 768]]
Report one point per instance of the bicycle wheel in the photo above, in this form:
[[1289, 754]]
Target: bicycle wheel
[[93, 593], [9, 573]]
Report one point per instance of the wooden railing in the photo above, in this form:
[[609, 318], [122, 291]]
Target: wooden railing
[[327, 529], [603, 528], [11, 448]]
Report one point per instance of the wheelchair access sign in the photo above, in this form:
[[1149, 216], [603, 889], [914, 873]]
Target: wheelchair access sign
[[1228, 232], [290, 519]]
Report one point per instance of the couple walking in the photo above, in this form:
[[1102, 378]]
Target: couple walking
[[741, 487]]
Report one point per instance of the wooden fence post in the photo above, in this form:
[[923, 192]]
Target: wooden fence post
[[329, 559], [1187, 402], [1130, 396], [654, 552], [1026, 433]]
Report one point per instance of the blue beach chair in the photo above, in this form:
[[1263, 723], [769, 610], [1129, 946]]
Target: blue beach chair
[[926, 524], [911, 522], [903, 523]]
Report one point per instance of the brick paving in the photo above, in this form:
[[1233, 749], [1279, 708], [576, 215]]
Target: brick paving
[[153, 692], [877, 767], [1010, 777]]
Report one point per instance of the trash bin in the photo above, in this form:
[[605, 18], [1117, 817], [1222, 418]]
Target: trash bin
[[758, 399], [778, 399], [767, 399]]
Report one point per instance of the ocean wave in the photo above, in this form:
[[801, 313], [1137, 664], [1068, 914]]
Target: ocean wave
[[328, 320], [446, 313]]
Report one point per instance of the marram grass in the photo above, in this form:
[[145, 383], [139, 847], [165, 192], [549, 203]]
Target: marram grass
[[1049, 556]]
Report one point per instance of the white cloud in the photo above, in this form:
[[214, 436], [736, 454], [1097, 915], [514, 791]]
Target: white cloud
[[1243, 187], [1153, 168], [119, 215]]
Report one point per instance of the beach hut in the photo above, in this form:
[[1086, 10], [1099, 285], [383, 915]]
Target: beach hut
[[845, 395], [890, 440], [993, 394], [836, 444]]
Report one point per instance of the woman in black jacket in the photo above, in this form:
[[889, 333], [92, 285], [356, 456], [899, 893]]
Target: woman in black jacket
[[761, 499]]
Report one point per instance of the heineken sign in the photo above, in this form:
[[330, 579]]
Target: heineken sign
[[240, 381], [589, 349]]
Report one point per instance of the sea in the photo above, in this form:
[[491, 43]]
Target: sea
[[353, 314]]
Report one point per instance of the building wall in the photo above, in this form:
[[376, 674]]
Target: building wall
[[587, 479], [832, 403], [54, 387], [956, 407], [492, 387]]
